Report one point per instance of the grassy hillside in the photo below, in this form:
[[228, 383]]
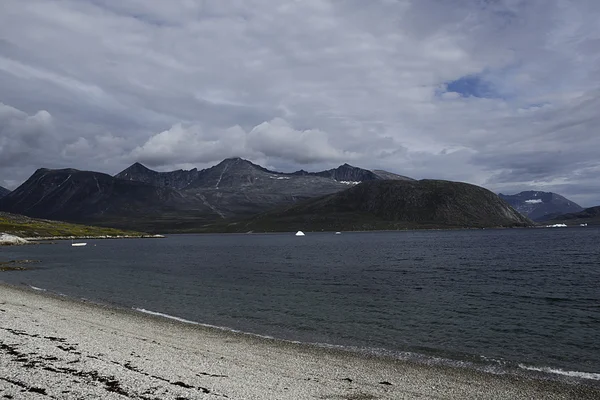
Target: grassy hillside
[[23, 226]]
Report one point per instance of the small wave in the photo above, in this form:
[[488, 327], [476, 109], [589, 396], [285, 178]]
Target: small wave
[[37, 288], [187, 321], [557, 371]]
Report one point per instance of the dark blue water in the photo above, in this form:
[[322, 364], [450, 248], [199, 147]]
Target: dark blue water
[[499, 297]]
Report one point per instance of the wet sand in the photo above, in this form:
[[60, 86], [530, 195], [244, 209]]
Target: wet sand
[[56, 348]]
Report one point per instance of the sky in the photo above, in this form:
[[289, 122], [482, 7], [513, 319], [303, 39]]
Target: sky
[[500, 93]]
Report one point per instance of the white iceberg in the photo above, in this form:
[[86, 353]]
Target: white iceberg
[[300, 233]]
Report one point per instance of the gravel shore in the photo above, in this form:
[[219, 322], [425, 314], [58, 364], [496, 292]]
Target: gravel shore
[[56, 348]]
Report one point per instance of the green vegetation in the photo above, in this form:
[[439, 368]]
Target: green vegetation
[[23, 226]]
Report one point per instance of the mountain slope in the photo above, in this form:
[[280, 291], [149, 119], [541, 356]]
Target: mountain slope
[[381, 174], [236, 187], [92, 197], [589, 216], [174, 179], [3, 192], [539, 206], [382, 204]]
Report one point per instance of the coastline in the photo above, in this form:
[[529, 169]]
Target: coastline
[[15, 240], [71, 348]]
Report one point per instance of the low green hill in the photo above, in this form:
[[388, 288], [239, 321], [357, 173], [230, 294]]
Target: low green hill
[[23, 226]]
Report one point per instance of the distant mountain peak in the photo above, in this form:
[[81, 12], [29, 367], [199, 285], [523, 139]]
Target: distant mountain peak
[[138, 164], [539, 206]]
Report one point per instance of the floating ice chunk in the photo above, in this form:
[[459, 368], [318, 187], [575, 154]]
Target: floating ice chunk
[[300, 233], [557, 226]]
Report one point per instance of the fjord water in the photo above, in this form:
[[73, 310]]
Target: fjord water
[[492, 298]]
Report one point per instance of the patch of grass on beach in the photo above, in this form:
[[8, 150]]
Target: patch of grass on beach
[[23, 226]]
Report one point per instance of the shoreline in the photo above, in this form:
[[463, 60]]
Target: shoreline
[[49, 340], [7, 239]]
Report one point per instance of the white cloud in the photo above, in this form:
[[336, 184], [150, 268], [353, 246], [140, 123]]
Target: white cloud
[[273, 139], [279, 140]]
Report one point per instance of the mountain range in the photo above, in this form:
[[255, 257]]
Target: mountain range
[[141, 198], [541, 206], [3, 192], [238, 195]]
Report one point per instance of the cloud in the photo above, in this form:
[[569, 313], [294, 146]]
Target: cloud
[[191, 144], [271, 139], [500, 93], [23, 137], [278, 139]]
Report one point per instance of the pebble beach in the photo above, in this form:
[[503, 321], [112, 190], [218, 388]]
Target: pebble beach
[[53, 347]]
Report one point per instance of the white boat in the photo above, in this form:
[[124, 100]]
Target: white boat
[[300, 233]]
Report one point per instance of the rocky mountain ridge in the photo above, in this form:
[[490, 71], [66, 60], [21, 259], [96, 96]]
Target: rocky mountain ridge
[[174, 179], [238, 190], [182, 179], [4, 192]]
